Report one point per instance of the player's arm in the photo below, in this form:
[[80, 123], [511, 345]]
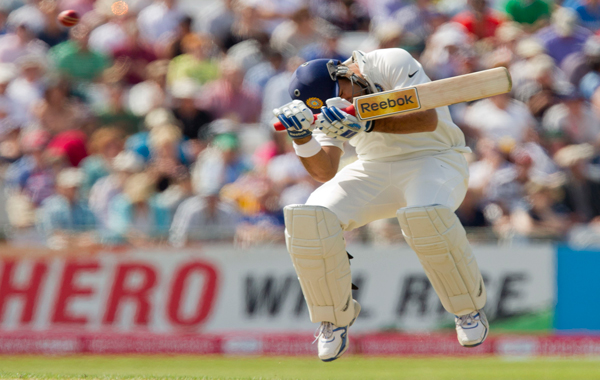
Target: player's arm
[[324, 165], [320, 162], [416, 122]]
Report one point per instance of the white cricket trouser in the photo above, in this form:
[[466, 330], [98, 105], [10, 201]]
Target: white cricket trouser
[[365, 191]]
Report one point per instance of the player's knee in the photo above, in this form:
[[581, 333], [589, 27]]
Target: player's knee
[[427, 219], [299, 217]]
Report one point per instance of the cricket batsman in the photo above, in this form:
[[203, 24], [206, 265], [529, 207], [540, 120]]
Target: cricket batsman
[[409, 166]]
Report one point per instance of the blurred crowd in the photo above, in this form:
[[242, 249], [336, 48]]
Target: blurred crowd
[[149, 122]]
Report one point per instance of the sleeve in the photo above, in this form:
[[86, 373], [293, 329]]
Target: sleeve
[[325, 140], [398, 68]]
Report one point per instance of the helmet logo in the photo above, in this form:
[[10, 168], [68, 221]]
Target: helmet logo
[[314, 103]]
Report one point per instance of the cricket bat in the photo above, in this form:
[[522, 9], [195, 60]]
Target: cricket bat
[[439, 93]]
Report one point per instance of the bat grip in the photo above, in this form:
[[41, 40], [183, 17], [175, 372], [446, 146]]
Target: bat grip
[[349, 110]]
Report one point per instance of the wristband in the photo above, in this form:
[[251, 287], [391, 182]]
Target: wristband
[[311, 148]]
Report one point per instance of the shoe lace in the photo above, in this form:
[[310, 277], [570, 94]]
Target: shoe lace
[[467, 319], [325, 329]]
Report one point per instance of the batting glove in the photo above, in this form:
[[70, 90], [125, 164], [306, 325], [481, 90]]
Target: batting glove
[[297, 119], [338, 124]]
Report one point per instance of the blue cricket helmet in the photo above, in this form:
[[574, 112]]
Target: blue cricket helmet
[[314, 82]]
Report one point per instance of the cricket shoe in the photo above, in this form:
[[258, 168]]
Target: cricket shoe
[[471, 329], [333, 340]]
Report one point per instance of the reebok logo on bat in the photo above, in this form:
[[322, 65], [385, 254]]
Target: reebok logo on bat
[[413, 74], [388, 103]]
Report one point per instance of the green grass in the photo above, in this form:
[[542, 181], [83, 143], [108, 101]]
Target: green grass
[[347, 368]]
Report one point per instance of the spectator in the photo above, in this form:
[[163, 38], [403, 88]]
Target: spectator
[[219, 20], [3, 16], [158, 20], [388, 35], [10, 132], [115, 113], [542, 216], [53, 33], [104, 145], [203, 217], [259, 75], [506, 190], [499, 118], [589, 14], [449, 52], [247, 25], [258, 201], [75, 59], [56, 112], [195, 63], [349, 15], [219, 165], [570, 122], [531, 13], [194, 121], [150, 94], [20, 43], [111, 34], [136, 216], [138, 142], [479, 19], [505, 53], [227, 98], [124, 165], [276, 91], [29, 15], [563, 36], [544, 86], [583, 181], [302, 30], [8, 107], [328, 47], [32, 174], [28, 88], [166, 159], [134, 55], [71, 145], [591, 80], [174, 46], [64, 217], [522, 70]]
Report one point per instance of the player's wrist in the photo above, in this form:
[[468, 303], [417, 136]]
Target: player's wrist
[[302, 140], [307, 148]]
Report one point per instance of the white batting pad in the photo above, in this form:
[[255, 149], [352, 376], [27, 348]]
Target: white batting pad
[[316, 244], [439, 239]]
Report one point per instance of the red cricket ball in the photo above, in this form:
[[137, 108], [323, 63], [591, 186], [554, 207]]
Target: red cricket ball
[[68, 18]]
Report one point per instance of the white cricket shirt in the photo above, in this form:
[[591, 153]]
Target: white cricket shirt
[[389, 69]]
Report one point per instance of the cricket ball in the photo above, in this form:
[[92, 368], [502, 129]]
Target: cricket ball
[[68, 18]]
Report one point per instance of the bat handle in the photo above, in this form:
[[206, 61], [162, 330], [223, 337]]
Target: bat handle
[[349, 110]]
